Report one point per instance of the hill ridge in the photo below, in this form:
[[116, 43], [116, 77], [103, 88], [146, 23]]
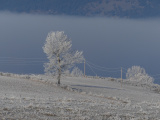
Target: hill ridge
[[108, 8]]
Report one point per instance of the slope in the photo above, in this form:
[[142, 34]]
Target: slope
[[37, 97]]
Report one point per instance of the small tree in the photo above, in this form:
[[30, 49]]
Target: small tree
[[138, 74], [76, 72], [61, 57]]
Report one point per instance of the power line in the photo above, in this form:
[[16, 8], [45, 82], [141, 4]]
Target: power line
[[94, 67], [124, 72], [125, 69], [100, 67], [105, 70], [91, 69], [19, 64], [13, 60], [38, 61], [155, 75], [10, 61], [20, 58]]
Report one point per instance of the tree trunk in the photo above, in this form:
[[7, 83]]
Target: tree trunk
[[59, 76], [59, 71]]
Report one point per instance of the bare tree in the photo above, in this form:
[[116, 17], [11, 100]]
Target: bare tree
[[61, 57]]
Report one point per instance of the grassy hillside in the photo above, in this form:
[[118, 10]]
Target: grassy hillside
[[37, 97]]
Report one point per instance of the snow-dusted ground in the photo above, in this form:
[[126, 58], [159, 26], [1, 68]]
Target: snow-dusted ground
[[38, 98]]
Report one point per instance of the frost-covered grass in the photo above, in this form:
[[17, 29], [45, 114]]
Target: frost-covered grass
[[37, 97], [84, 109]]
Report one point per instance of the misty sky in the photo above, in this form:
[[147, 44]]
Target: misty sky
[[111, 43]]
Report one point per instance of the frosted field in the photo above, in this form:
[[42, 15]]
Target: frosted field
[[25, 97]]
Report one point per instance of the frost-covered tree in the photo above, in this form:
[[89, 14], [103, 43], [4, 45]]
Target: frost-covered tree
[[61, 57], [76, 72], [138, 74]]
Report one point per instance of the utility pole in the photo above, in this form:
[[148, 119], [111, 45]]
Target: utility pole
[[84, 67], [121, 76]]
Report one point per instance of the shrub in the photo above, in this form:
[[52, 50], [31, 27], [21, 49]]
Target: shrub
[[138, 74], [76, 72]]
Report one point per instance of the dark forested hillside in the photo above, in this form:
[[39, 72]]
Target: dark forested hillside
[[111, 8]]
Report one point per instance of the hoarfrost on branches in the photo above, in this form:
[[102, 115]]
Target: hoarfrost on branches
[[58, 51], [138, 74], [76, 72]]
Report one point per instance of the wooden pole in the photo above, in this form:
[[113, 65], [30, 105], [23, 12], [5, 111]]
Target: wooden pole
[[84, 67], [121, 76]]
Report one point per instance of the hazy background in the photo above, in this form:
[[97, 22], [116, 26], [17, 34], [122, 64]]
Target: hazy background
[[111, 43]]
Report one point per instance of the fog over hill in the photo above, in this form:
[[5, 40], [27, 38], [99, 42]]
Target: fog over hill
[[109, 8]]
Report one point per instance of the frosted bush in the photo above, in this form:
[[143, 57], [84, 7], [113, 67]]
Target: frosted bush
[[76, 72], [138, 74]]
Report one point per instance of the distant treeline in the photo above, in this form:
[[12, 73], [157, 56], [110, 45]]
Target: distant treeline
[[113, 8], [71, 7]]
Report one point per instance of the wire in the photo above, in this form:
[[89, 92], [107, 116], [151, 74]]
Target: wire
[[100, 67], [105, 70], [91, 69], [21, 61], [124, 69], [10, 61], [19, 64], [38, 61], [124, 72], [155, 75], [21, 58]]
